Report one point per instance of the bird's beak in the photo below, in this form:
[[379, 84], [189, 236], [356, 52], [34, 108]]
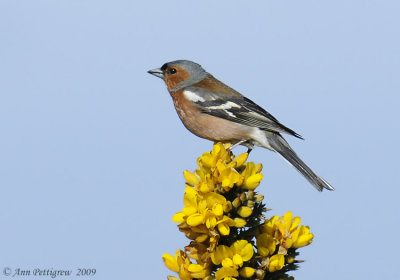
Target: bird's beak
[[157, 72]]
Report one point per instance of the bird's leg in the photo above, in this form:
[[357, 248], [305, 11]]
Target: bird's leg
[[249, 146], [237, 144]]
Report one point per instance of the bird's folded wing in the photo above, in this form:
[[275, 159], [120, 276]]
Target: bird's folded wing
[[237, 109]]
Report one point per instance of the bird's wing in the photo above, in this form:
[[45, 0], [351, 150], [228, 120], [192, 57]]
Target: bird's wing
[[237, 109]]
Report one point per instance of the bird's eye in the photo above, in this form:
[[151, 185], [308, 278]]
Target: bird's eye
[[172, 71]]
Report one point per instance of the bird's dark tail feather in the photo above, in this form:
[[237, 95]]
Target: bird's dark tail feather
[[282, 147]]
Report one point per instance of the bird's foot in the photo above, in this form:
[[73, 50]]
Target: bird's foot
[[236, 144]]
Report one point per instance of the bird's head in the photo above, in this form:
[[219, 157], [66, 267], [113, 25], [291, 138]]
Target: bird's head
[[179, 74]]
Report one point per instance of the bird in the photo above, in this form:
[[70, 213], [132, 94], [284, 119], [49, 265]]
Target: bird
[[212, 110]]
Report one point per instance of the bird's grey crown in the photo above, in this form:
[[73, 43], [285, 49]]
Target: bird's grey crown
[[195, 71]]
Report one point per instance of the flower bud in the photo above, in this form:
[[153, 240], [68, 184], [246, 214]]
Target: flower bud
[[290, 259], [247, 272], [250, 195], [245, 211], [250, 203], [236, 202], [239, 222]]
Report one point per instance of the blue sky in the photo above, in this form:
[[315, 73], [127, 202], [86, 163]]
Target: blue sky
[[92, 151]]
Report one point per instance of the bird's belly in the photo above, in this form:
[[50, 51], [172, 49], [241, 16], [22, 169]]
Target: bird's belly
[[213, 128]]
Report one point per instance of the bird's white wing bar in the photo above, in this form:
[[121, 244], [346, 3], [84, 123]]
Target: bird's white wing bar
[[225, 106], [196, 94], [193, 96]]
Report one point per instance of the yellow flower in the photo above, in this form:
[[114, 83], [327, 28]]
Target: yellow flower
[[252, 176], [219, 152], [228, 176], [276, 262], [231, 258], [197, 251], [219, 167], [184, 267], [200, 233], [244, 249], [225, 224], [265, 244], [226, 273], [304, 237], [239, 160], [286, 232], [205, 209]]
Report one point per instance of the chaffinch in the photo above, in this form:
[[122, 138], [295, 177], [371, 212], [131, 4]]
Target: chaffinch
[[212, 110]]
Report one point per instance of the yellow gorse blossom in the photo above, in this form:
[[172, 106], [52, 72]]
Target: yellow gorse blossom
[[219, 169], [276, 262], [203, 205], [231, 258], [284, 232], [221, 206], [205, 210], [184, 267]]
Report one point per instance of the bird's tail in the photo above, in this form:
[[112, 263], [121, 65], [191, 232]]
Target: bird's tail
[[282, 147]]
